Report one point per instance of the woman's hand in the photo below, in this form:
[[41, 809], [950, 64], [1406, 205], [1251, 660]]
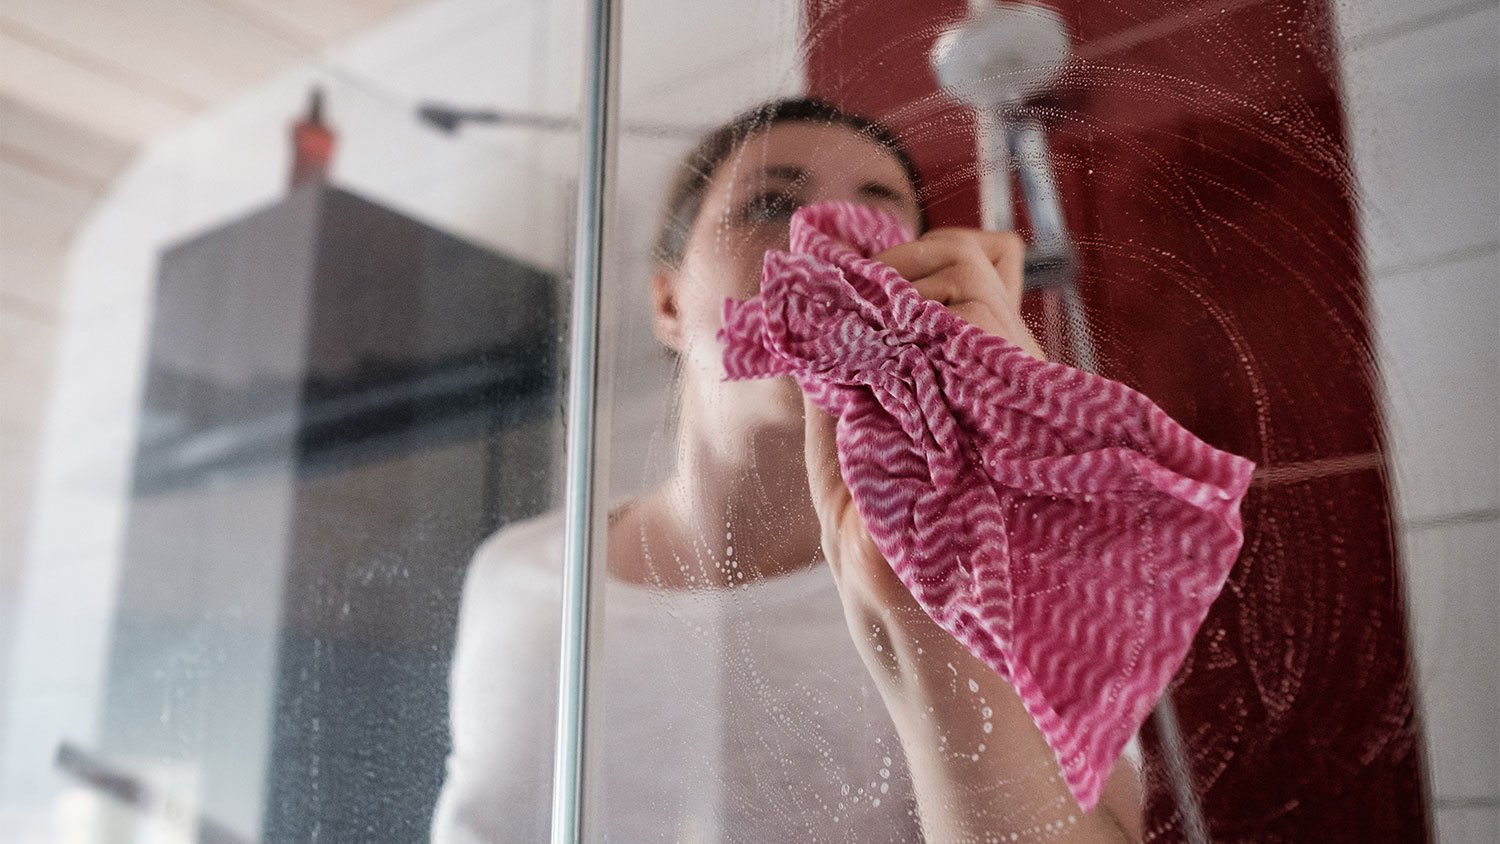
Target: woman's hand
[[974, 774], [976, 275]]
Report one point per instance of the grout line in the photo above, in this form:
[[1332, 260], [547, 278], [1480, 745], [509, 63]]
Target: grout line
[[1451, 256], [1382, 35], [1463, 517], [1291, 473], [1466, 802]]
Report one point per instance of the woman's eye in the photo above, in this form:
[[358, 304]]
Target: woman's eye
[[768, 207]]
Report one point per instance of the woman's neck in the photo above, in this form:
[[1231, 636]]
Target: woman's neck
[[736, 509]]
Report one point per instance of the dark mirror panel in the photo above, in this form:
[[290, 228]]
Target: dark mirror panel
[[384, 428]]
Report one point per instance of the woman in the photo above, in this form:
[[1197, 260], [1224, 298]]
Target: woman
[[746, 694]]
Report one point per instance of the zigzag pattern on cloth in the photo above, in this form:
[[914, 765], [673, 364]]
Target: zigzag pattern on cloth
[[1059, 524]]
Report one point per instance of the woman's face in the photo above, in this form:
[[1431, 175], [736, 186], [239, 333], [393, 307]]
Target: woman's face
[[745, 212]]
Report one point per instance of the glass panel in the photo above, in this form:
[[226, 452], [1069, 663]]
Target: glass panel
[[287, 561], [1239, 237], [285, 422]]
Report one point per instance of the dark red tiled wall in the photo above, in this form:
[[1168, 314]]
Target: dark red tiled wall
[[1206, 180]]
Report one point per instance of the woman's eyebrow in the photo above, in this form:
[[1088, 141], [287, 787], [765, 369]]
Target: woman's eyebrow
[[784, 171], [882, 189]]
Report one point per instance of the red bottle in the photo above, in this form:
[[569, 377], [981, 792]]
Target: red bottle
[[312, 144]]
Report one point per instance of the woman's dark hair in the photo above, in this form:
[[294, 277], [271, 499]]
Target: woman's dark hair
[[697, 170]]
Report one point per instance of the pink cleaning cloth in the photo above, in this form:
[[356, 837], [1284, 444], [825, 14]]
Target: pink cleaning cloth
[[1057, 523]]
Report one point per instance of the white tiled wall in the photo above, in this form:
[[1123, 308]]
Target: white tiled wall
[[1422, 91]]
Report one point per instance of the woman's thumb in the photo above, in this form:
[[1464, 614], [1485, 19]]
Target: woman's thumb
[[829, 494]]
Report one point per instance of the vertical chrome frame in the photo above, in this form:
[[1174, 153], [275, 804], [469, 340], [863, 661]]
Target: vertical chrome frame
[[597, 142]]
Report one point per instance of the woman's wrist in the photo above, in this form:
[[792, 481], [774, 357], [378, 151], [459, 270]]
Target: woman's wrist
[[936, 689], [978, 762]]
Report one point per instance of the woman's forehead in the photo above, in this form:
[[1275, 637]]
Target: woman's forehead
[[806, 151]]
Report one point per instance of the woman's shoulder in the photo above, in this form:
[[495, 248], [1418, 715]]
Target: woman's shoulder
[[519, 560], [526, 538]]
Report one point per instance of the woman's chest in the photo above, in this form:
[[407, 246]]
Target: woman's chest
[[744, 719]]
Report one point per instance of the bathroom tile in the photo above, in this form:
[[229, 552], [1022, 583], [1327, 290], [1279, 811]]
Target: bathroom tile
[[1437, 335], [726, 57], [1453, 583], [1364, 21], [1425, 132], [1468, 825]]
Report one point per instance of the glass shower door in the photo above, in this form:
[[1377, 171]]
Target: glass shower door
[[1211, 173]]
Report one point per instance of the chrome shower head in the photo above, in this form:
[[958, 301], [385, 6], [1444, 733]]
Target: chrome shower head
[[1001, 54]]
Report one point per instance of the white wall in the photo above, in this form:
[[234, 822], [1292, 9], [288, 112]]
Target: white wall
[[1422, 92]]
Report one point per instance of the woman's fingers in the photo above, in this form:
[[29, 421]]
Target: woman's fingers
[[830, 497], [975, 274], [979, 256], [1011, 262], [863, 576]]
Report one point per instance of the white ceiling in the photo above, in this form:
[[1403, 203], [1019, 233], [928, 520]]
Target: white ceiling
[[84, 83]]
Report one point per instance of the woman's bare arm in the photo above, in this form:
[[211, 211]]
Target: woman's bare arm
[[980, 767]]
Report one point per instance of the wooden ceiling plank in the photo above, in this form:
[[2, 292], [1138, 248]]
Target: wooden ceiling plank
[[38, 217], [330, 21], [69, 145], [185, 45], [86, 97]]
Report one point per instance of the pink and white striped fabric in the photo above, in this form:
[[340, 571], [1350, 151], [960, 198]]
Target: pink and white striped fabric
[[1058, 523]]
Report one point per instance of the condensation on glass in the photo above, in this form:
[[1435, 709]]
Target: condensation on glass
[[296, 571]]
